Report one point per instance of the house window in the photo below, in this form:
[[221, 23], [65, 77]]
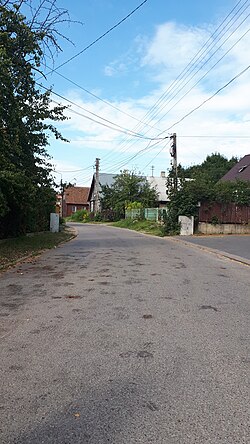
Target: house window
[[74, 208]]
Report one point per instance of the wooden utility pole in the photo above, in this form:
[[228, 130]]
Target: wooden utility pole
[[173, 153], [62, 197], [97, 181]]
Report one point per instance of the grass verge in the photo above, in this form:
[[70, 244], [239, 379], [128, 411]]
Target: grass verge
[[144, 226], [13, 250]]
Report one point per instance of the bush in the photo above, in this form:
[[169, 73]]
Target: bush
[[171, 226], [80, 216], [98, 217]]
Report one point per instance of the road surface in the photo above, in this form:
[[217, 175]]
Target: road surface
[[235, 245], [121, 338]]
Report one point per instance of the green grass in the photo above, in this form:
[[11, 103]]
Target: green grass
[[144, 226], [11, 250]]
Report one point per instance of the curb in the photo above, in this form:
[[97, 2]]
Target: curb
[[220, 253]]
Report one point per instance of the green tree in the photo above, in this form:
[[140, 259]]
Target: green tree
[[26, 122], [237, 191], [128, 187], [212, 169]]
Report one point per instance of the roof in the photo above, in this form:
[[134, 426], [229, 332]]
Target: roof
[[107, 179], [155, 182], [240, 171], [160, 184], [76, 195], [104, 179]]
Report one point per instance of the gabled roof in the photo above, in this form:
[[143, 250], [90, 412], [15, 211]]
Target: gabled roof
[[155, 182], [76, 195], [240, 171], [107, 179], [104, 179]]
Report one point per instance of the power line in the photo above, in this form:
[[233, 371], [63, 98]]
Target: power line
[[100, 99], [119, 128], [200, 55], [204, 75], [100, 37], [211, 97], [197, 59]]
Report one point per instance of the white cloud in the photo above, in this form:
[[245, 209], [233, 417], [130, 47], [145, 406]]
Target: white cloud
[[173, 45]]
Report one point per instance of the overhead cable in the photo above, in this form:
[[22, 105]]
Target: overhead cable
[[99, 38]]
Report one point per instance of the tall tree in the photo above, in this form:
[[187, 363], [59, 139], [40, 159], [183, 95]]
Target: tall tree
[[26, 121]]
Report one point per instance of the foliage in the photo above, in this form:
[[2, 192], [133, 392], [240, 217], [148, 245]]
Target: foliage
[[197, 184], [128, 187], [26, 121], [98, 217], [80, 216], [237, 191], [133, 205]]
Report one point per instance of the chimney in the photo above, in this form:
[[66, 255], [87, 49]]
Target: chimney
[[163, 174]]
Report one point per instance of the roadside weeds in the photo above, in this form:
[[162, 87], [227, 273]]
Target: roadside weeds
[[16, 250]]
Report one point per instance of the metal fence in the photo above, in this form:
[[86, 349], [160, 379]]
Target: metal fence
[[153, 214]]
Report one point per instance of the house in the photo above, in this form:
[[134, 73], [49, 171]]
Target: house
[[240, 171], [74, 199], [159, 183], [95, 189]]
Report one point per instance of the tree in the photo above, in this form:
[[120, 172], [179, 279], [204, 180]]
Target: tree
[[128, 187], [212, 169], [26, 119]]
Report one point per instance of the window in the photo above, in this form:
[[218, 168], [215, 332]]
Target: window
[[74, 208], [243, 168]]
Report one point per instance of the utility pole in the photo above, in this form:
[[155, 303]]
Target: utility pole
[[62, 196], [173, 153], [152, 168], [97, 179]]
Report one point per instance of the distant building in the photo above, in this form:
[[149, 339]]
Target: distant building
[[74, 199], [104, 179], [159, 183]]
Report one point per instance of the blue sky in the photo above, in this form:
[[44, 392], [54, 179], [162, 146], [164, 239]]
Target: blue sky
[[133, 66]]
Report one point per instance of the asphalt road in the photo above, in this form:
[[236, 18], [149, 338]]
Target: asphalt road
[[117, 337], [235, 245]]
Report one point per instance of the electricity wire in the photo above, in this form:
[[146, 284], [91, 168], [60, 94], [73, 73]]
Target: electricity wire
[[119, 127], [99, 38]]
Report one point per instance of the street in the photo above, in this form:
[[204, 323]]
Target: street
[[120, 338]]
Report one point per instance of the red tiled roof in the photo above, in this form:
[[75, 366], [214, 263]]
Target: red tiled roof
[[76, 195], [240, 171]]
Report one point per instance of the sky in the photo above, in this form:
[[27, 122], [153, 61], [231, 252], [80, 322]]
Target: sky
[[152, 75]]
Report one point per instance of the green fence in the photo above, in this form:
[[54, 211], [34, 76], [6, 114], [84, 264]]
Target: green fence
[[154, 214]]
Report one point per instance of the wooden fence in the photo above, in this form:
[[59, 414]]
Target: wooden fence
[[231, 213]]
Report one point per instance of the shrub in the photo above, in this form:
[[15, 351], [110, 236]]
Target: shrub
[[80, 216]]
